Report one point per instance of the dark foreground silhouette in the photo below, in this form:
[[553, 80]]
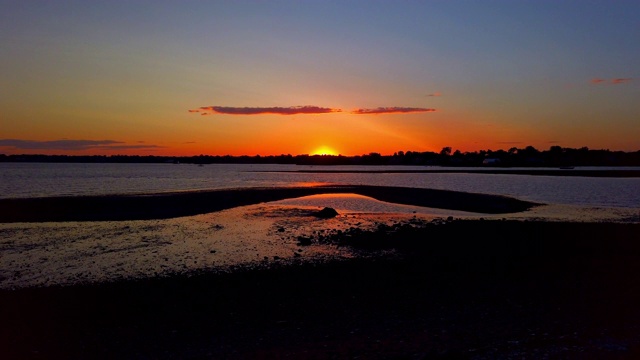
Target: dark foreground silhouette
[[457, 289]]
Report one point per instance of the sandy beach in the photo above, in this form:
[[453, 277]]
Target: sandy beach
[[268, 279]]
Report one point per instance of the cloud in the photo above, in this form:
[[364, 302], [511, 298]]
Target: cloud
[[292, 110], [129, 147], [435, 94], [615, 81], [621, 81], [391, 110], [509, 142], [70, 145]]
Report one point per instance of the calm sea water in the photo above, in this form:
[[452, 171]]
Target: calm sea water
[[21, 180]]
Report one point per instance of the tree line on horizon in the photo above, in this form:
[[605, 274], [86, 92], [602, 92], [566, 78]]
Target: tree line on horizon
[[529, 156]]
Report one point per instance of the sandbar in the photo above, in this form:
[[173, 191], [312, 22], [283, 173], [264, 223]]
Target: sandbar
[[187, 203]]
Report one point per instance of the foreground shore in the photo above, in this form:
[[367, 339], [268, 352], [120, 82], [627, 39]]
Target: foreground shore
[[451, 289]]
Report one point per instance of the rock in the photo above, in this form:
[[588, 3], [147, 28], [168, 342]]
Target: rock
[[326, 213], [304, 241], [280, 229]]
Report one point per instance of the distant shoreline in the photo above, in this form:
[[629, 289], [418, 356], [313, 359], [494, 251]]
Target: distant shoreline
[[529, 156], [543, 172], [176, 204]]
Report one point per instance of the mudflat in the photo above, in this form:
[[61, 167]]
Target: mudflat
[[475, 289]]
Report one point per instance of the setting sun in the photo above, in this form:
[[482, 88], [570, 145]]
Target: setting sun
[[324, 150]]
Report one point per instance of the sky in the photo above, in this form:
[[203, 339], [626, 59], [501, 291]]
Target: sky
[[187, 78]]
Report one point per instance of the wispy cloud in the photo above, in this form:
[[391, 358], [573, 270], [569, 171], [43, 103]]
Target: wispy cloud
[[509, 142], [129, 147], [391, 110], [435, 94], [616, 81], [621, 81], [70, 145], [291, 110]]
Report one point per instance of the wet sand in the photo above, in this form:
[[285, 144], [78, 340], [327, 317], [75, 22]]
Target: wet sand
[[470, 289], [273, 281]]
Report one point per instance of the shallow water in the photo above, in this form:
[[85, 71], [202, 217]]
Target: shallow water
[[46, 179]]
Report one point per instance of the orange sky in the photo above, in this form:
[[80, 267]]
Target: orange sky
[[104, 78]]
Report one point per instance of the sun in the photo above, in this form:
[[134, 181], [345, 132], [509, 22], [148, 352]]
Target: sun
[[324, 150]]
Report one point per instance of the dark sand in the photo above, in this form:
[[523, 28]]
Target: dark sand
[[176, 204], [458, 290]]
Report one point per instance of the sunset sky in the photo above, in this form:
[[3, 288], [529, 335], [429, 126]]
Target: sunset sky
[[297, 77]]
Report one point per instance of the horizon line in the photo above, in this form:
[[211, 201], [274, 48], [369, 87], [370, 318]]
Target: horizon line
[[395, 153]]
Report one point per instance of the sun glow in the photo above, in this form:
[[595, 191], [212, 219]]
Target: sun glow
[[324, 150]]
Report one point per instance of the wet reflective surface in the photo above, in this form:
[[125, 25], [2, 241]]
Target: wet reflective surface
[[34, 180]]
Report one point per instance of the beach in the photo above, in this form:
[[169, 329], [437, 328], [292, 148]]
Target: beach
[[261, 276]]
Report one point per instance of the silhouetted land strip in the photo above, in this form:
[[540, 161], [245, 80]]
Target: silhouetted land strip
[[169, 205], [545, 172], [461, 290], [528, 156]]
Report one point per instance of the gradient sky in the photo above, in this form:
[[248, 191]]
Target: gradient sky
[[119, 77]]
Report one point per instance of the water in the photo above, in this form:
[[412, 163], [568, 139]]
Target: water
[[23, 180]]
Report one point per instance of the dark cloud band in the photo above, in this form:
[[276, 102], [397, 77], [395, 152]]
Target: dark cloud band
[[292, 110], [71, 145]]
